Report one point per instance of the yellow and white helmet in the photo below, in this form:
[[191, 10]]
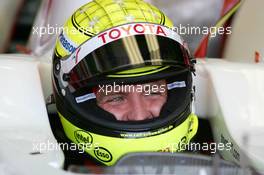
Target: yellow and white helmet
[[128, 41]]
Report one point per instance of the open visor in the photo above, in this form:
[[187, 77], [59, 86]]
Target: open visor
[[127, 53]]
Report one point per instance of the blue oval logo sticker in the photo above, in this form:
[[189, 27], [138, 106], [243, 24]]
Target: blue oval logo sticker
[[103, 154]]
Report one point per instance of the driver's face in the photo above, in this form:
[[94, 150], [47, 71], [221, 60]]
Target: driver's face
[[142, 103]]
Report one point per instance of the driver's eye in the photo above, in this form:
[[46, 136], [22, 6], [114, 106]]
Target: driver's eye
[[115, 99]]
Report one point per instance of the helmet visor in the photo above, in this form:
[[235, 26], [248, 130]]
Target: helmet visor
[[127, 53]]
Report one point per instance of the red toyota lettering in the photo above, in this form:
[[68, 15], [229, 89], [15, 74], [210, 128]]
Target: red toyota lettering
[[160, 31], [117, 35], [150, 27], [127, 30], [103, 37], [137, 28]]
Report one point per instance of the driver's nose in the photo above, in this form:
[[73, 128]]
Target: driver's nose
[[139, 108]]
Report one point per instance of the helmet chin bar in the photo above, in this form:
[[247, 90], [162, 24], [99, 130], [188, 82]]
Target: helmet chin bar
[[108, 150]]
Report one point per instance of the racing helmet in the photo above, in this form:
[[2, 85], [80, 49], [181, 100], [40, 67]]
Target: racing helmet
[[128, 42]]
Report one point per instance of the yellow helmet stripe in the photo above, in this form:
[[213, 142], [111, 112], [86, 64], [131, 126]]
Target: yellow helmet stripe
[[135, 73]]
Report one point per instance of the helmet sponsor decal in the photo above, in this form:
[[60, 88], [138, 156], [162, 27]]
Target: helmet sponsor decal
[[131, 29], [83, 137], [85, 98], [176, 84], [67, 44], [147, 134], [103, 154]]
